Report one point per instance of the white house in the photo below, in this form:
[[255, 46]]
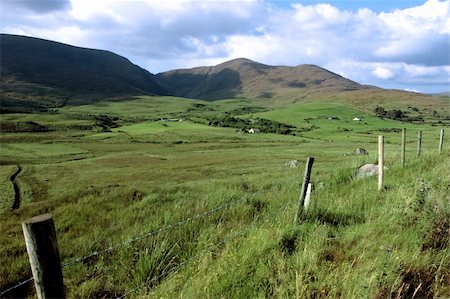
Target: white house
[[357, 119], [253, 130]]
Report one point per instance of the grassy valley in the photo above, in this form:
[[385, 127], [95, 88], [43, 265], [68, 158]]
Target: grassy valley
[[146, 205], [193, 195]]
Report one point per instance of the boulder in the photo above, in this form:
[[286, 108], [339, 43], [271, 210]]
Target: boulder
[[368, 170], [361, 151], [292, 164]]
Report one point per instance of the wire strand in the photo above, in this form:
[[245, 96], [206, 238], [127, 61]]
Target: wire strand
[[179, 266], [162, 229], [16, 286]]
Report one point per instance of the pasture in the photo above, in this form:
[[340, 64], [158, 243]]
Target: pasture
[[112, 174]]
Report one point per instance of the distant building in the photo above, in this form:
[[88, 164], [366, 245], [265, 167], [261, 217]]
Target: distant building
[[357, 119], [254, 130], [164, 119]]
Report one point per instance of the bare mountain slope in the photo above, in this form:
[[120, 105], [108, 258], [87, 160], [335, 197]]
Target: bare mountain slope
[[245, 78]]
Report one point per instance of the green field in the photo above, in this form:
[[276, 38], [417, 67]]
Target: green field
[[112, 174]]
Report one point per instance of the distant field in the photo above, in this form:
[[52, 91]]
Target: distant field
[[335, 121], [112, 171]]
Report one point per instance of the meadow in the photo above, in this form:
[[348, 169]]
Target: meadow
[[184, 209]]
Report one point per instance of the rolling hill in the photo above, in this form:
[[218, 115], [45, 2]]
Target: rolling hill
[[42, 73], [37, 73], [245, 78]]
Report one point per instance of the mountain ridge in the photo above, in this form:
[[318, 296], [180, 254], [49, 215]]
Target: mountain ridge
[[38, 74], [242, 77], [33, 68]]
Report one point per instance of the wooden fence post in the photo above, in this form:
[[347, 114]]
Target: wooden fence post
[[308, 197], [403, 146], [42, 248], [301, 200], [441, 141], [380, 162], [419, 143]]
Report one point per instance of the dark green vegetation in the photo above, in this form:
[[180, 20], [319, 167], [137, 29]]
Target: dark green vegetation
[[37, 73], [113, 171], [246, 125]]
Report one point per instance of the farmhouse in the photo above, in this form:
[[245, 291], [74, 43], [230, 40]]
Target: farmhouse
[[357, 119], [253, 130]]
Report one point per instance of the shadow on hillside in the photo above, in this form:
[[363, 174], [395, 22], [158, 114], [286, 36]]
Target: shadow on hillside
[[224, 84]]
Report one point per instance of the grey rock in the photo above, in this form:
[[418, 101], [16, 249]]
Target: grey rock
[[292, 164], [361, 151], [368, 170]]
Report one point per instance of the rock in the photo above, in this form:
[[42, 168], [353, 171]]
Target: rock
[[361, 151], [292, 164], [368, 170]]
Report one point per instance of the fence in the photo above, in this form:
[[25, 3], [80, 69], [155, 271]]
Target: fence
[[48, 276], [41, 240]]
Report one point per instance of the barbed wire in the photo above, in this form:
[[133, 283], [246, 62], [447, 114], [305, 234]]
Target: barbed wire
[[180, 265], [16, 286], [224, 241], [159, 230], [149, 234]]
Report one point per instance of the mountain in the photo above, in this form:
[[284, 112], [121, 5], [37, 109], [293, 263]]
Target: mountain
[[245, 78], [37, 72], [441, 94]]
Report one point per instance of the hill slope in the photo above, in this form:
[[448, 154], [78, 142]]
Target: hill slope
[[36, 72], [246, 78]]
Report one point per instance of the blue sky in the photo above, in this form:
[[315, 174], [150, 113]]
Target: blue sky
[[391, 44], [353, 5]]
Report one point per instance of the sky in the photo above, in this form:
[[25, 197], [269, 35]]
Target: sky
[[403, 44]]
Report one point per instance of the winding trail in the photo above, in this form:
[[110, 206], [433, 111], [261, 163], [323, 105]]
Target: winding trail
[[16, 203]]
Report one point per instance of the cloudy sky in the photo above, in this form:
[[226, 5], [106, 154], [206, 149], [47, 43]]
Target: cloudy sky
[[393, 44]]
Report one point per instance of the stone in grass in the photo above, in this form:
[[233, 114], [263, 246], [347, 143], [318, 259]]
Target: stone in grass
[[368, 170], [361, 151], [292, 164]]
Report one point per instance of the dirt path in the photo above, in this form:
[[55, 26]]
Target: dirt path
[[16, 203]]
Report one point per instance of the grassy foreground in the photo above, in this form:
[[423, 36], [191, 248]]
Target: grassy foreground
[[118, 188]]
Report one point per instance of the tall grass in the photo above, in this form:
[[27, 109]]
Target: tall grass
[[355, 242]]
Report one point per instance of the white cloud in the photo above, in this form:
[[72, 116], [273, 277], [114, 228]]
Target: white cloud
[[402, 46], [382, 73]]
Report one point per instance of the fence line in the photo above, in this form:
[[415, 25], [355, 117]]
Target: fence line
[[178, 224], [16, 286], [162, 229], [147, 235], [180, 265]]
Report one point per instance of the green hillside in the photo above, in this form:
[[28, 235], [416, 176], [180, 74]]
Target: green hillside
[[40, 73]]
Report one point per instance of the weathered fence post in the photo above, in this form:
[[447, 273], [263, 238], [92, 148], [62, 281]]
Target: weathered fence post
[[419, 143], [301, 200], [308, 197], [380, 162], [403, 146], [441, 141], [42, 248]]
